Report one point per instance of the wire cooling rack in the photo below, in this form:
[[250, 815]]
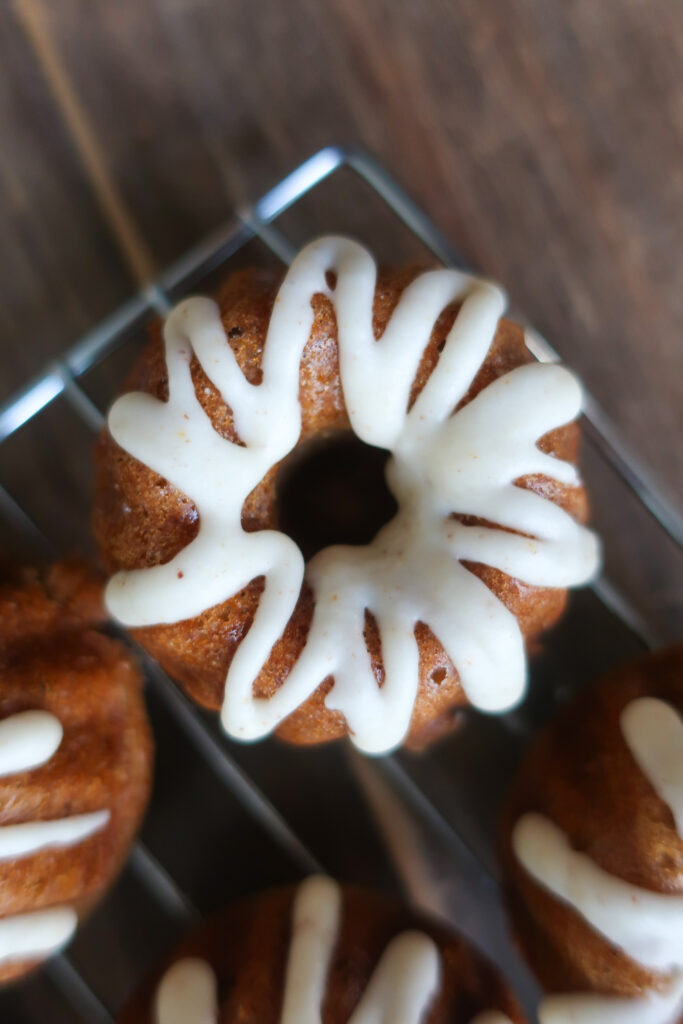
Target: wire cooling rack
[[227, 819]]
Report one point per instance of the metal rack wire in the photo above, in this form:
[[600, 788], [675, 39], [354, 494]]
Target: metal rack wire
[[420, 786]]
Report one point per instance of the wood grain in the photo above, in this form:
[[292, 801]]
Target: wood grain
[[59, 268], [544, 137]]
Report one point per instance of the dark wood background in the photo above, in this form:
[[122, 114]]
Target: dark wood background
[[545, 137]]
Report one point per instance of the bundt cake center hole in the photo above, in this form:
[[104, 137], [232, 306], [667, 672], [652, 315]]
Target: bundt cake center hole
[[333, 491]]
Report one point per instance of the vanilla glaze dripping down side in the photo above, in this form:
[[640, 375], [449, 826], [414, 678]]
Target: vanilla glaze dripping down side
[[647, 926], [653, 731], [29, 740], [316, 919], [441, 462], [400, 990]]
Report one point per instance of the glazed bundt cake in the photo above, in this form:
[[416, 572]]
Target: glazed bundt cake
[[593, 850], [381, 640], [75, 759], [324, 954]]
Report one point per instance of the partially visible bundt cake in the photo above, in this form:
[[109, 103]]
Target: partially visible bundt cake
[[381, 640], [75, 759], [324, 954], [593, 850]]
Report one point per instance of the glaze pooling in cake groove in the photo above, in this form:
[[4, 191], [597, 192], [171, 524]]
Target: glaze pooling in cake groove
[[29, 740], [400, 990], [441, 463], [645, 925]]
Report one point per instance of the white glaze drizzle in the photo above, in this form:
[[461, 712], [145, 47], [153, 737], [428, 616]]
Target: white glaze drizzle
[[187, 994], [19, 840], [403, 983], [653, 731], [315, 926], [491, 1017], [28, 740], [440, 463], [31, 936], [647, 926], [591, 1008], [400, 990]]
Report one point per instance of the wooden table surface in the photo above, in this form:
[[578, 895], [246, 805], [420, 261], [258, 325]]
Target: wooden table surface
[[544, 137]]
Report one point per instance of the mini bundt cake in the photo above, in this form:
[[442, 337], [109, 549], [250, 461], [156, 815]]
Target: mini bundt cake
[[379, 640], [593, 850], [321, 953], [75, 759]]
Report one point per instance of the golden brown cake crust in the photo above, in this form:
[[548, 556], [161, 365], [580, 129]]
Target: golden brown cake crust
[[52, 659], [581, 774], [247, 947], [141, 520]]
